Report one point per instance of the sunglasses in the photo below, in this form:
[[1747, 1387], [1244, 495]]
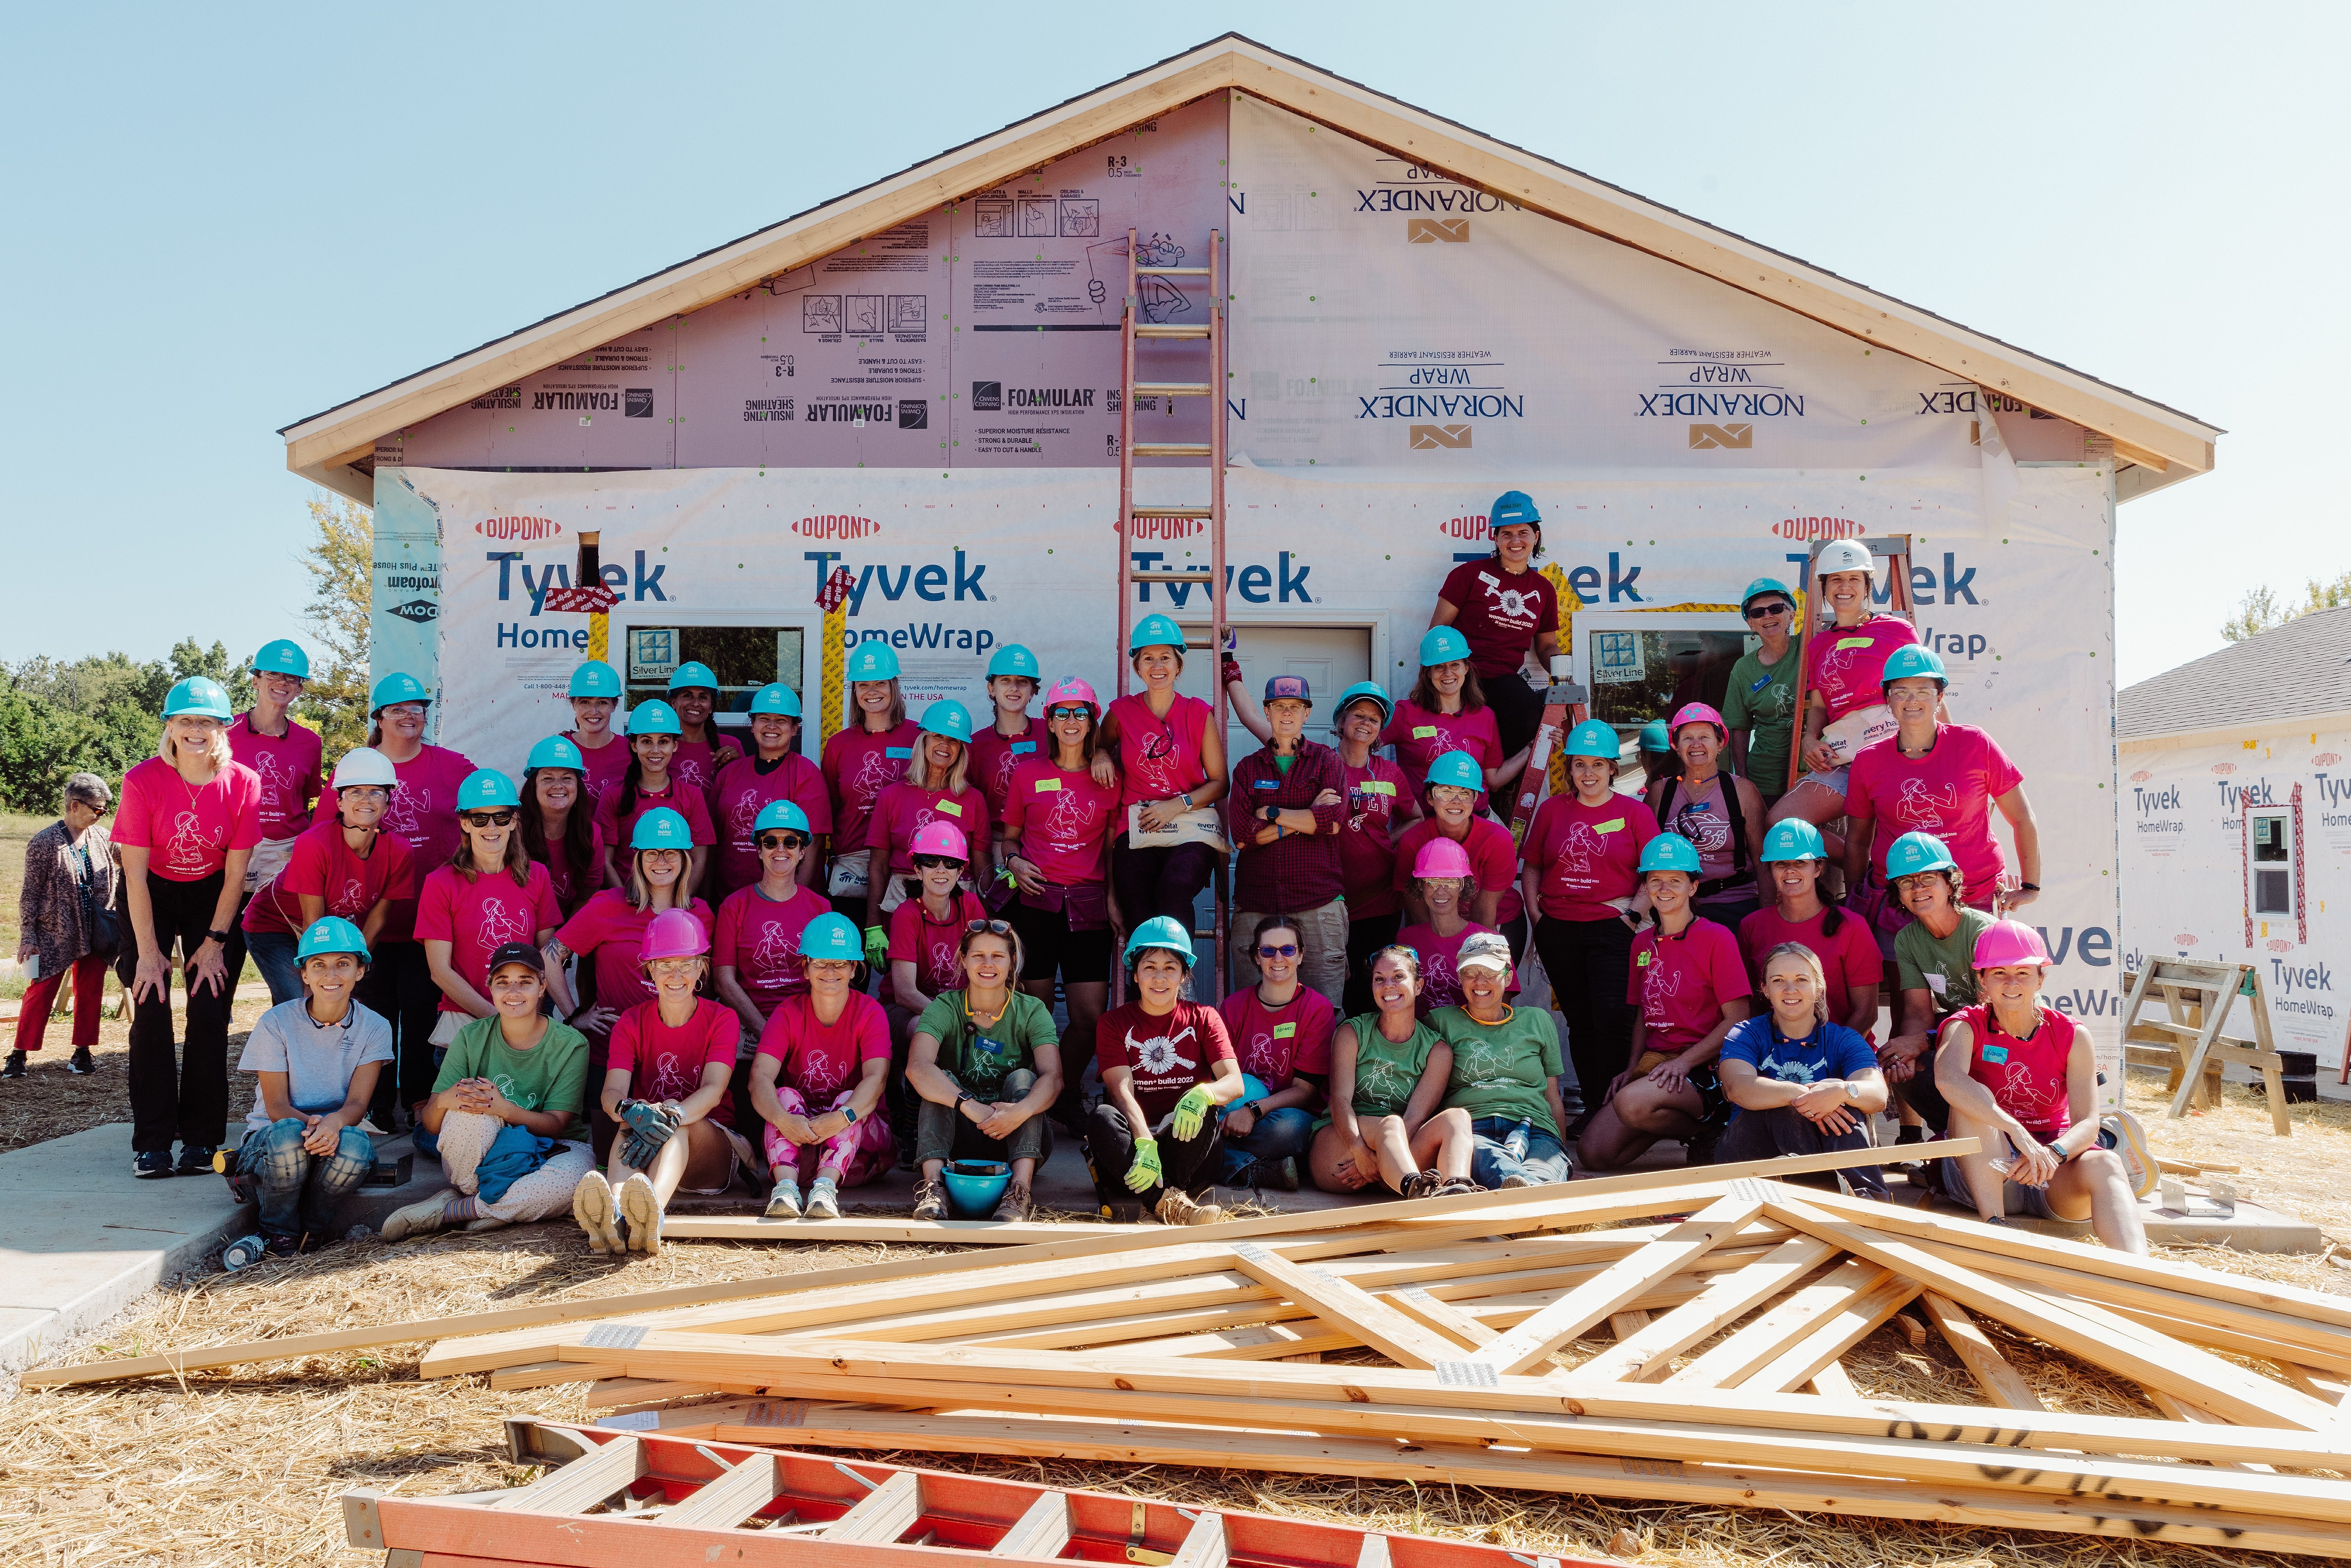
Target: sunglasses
[[1000, 927], [1057, 715], [1287, 950], [933, 862], [490, 819], [366, 792], [774, 839], [1764, 611]]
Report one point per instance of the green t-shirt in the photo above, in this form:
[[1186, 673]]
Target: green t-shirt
[[1944, 968], [1387, 1072], [550, 1076], [1502, 1070], [978, 1059], [1761, 700]]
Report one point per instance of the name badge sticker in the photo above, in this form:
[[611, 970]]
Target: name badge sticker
[[949, 807], [1995, 1054], [1047, 786], [1937, 983], [1284, 1030], [1378, 787], [899, 753], [1615, 825], [1853, 642], [1023, 748], [1424, 732]]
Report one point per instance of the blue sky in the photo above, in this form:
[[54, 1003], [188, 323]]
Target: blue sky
[[218, 224]]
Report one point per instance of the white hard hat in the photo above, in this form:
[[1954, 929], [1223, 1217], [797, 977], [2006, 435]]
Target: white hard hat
[[1842, 555], [365, 765]]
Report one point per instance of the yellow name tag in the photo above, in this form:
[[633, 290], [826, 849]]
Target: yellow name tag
[[1284, 1030], [950, 807], [1378, 787], [1852, 642], [1644, 958], [1045, 786], [1617, 826], [1424, 732]]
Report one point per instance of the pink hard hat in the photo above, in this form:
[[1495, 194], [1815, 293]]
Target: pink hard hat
[[1069, 689], [672, 934], [1441, 857], [2007, 943], [1697, 713], [942, 838]]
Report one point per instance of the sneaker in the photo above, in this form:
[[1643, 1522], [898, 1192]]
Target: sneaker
[[195, 1160], [486, 1222], [1177, 1207], [597, 1212], [1454, 1186], [930, 1200], [1422, 1184], [417, 1220], [1016, 1204], [80, 1064], [2129, 1144], [152, 1164], [824, 1199], [16, 1066], [640, 1206], [1514, 1178], [784, 1203], [282, 1246]]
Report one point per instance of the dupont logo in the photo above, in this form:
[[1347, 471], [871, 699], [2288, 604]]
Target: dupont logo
[[1471, 529], [1433, 437], [2325, 759], [2185, 938], [2224, 768], [836, 526], [988, 397], [2142, 776], [417, 610], [914, 413], [1166, 528], [637, 403], [2278, 945], [1721, 437], [1816, 528], [518, 527], [1437, 231]]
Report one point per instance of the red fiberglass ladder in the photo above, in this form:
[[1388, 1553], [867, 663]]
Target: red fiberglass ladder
[[1151, 290]]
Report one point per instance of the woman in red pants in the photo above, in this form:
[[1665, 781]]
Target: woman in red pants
[[68, 880]]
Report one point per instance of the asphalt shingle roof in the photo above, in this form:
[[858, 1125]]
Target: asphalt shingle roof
[[2302, 669]]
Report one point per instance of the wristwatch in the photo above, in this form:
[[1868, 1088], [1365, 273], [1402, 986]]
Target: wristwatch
[[1852, 1090], [850, 1112], [219, 937]]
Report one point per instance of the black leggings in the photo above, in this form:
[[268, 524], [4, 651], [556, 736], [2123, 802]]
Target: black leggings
[[1160, 879], [1518, 710], [182, 1095], [399, 985], [1366, 936], [1187, 1166], [1587, 961]]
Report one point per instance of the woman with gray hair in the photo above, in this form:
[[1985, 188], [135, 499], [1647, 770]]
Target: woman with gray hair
[[68, 922]]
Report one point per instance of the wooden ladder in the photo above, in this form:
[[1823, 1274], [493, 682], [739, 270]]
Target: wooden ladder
[[2198, 998]]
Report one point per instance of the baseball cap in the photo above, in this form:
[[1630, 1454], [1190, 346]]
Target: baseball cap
[[1485, 949], [521, 953]]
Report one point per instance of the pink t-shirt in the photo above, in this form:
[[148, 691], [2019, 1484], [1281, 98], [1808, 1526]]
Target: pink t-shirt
[[1947, 793], [289, 765], [995, 755], [820, 1058], [606, 764], [760, 939], [696, 764], [323, 866], [607, 932], [903, 809], [1585, 855], [188, 829], [1420, 737], [1161, 757], [1277, 1044], [424, 811], [1849, 959], [2027, 1077], [478, 914], [1680, 983], [1440, 980], [618, 827], [743, 792], [1066, 820], [858, 766], [1493, 860], [675, 1059], [1378, 797], [916, 939], [558, 866], [1846, 663]]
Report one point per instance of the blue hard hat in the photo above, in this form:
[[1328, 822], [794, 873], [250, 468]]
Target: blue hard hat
[[1669, 851], [832, 935], [1914, 852], [555, 751], [1653, 736], [1252, 1089], [1457, 769], [1594, 738], [198, 696], [1763, 585], [1155, 631], [1511, 508], [1012, 659], [486, 789], [777, 698], [949, 717], [399, 686], [782, 814], [655, 716], [662, 829], [1442, 645], [871, 661], [1794, 840], [693, 673], [1372, 689], [974, 1185], [1160, 931], [1914, 661], [595, 679], [331, 933], [283, 658]]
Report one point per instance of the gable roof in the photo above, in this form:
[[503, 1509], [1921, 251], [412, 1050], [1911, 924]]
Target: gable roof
[[2299, 670], [2164, 444]]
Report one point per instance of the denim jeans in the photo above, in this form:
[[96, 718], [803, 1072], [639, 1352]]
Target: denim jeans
[[1279, 1136], [1544, 1162], [299, 1191], [272, 954], [1783, 1130]]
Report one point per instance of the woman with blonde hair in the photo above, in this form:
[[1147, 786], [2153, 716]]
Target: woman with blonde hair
[[1389, 1072], [1802, 1084], [936, 788]]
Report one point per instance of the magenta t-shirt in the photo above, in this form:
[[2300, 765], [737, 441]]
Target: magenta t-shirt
[[1440, 978], [2027, 1076], [1680, 983], [858, 766], [608, 931], [1847, 664], [1378, 796], [1848, 959], [1585, 855], [743, 792], [188, 829], [687, 803], [1500, 615], [1947, 793], [1493, 860], [667, 1063], [1066, 820], [1277, 1044], [760, 939], [995, 755], [1161, 757], [424, 811], [559, 864], [1420, 737], [931, 948], [289, 767], [476, 915], [323, 866], [606, 764], [696, 764], [821, 1058], [902, 809]]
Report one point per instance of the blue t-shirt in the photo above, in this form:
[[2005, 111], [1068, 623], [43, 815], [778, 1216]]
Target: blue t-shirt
[[317, 1059], [1831, 1050]]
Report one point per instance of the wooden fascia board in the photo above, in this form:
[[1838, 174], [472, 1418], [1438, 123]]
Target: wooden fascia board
[[342, 479]]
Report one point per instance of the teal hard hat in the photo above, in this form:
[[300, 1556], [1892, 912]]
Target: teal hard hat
[[832, 935], [1763, 585], [198, 696], [485, 790], [1914, 661], [1653, 736], [1915, 853], [691, 674], [1594, 738], [1669, 851], [949, 717], [1155, 631], [871, 661], [1457, 769], [331, 933], [777, 698], [655, 716], [1012, 659], [1253, 1089], [399, 686], [780, 814], [283, 658], [555, 751], [595, 679], [1160, 931], [662, 829], [1794, 840], [1372, 689], [1442, 645], [1512, 506]]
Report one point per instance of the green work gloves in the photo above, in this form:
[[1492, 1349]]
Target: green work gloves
[[1190, 1112], [1145, 1173], [877, 946]]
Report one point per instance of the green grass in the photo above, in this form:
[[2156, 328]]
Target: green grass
[[16, 832]]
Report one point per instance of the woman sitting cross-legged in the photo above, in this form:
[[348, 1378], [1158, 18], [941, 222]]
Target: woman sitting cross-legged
[[1802, 1083], [1506, 1071], [828, 1048], [1388, 1074], [1167, 1066], [986, 1067]]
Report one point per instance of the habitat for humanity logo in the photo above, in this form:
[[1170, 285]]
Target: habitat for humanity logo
[[1437, 391]]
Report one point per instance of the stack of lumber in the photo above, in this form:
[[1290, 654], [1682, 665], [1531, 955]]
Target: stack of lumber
[[1672, 1337]]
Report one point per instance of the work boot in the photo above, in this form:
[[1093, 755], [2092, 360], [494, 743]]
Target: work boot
[[640, 1206], [930, 1200], [1176, 1207], [417, 1220], [1422, 1184], [784, 1202], [1015, 1206], [1454, 1186], [597, 1212], [80, 1064], [16, 1066], [825, 1198]]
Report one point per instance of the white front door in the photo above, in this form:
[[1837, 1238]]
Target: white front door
[[1330, 658]]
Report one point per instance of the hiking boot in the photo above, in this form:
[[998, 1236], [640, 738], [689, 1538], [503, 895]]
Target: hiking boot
[[825, 1198], [1422, 1184], [1016, 1204], [930, 1200], [417, 1220], [195, 1160], [597, 1212], [1178, 1208], [1454, 1186], [784, 1202], [150, 1164], [80, 1064], [640, 1206], [16, 1065]]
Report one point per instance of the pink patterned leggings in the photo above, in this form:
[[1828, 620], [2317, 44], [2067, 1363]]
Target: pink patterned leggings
[[862, 1151]]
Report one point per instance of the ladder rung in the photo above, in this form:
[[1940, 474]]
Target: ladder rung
[[1173, 388], [1199, 577], [1171, 512], [1171, 271], [1170, 331], [1171, 449]]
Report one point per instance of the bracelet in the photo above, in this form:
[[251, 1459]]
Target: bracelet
[[2028, 887]]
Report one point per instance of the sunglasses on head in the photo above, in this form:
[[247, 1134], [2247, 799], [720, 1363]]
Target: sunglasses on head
[[1000, 928], [1760, 611], [933, 862], [1059, 714], [1287, 950], [490, 819], [777, 839]]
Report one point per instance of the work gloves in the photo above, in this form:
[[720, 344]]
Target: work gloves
[[650, 1125], [877, 946], [1190, 1112], [1145, 1173]]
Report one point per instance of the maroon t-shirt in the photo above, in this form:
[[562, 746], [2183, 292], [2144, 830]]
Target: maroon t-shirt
[[1167, 1054], [1500, 614]]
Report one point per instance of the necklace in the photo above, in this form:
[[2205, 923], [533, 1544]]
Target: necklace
[[1508, 1012], [990, 1021]]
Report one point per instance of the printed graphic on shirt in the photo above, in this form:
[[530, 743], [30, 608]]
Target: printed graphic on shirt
[[186, 851], [1923, 807], [499, 922], [2021, 1092], [1796, 1070], [1484, 1064], [1659, 987], [876, 771], [278, 782], [744, 810], [778, 952], [1580, 849], [1706, 829], [1379, 1081], [1506, 606], [350, 905], [1162, 1054], [405, 815]]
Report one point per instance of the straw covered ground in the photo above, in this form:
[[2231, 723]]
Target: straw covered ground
[[51, 1102]]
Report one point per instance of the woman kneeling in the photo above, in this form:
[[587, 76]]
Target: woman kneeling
[[830, 1048], [1388, 1071]]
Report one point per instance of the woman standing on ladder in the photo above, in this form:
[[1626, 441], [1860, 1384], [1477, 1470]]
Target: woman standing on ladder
[[1504, 608], [862, 760], [1760, 705], [1381, 803], [1166, 748], [1844, 665]]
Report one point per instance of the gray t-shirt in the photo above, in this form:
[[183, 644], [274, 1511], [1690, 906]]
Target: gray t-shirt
[[318, 1060]]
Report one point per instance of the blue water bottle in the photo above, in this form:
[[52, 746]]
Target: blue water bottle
[[243, 1251], [1516, 1143]]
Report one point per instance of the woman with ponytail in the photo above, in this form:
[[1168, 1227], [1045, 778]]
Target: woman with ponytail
[[1794, 858]]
